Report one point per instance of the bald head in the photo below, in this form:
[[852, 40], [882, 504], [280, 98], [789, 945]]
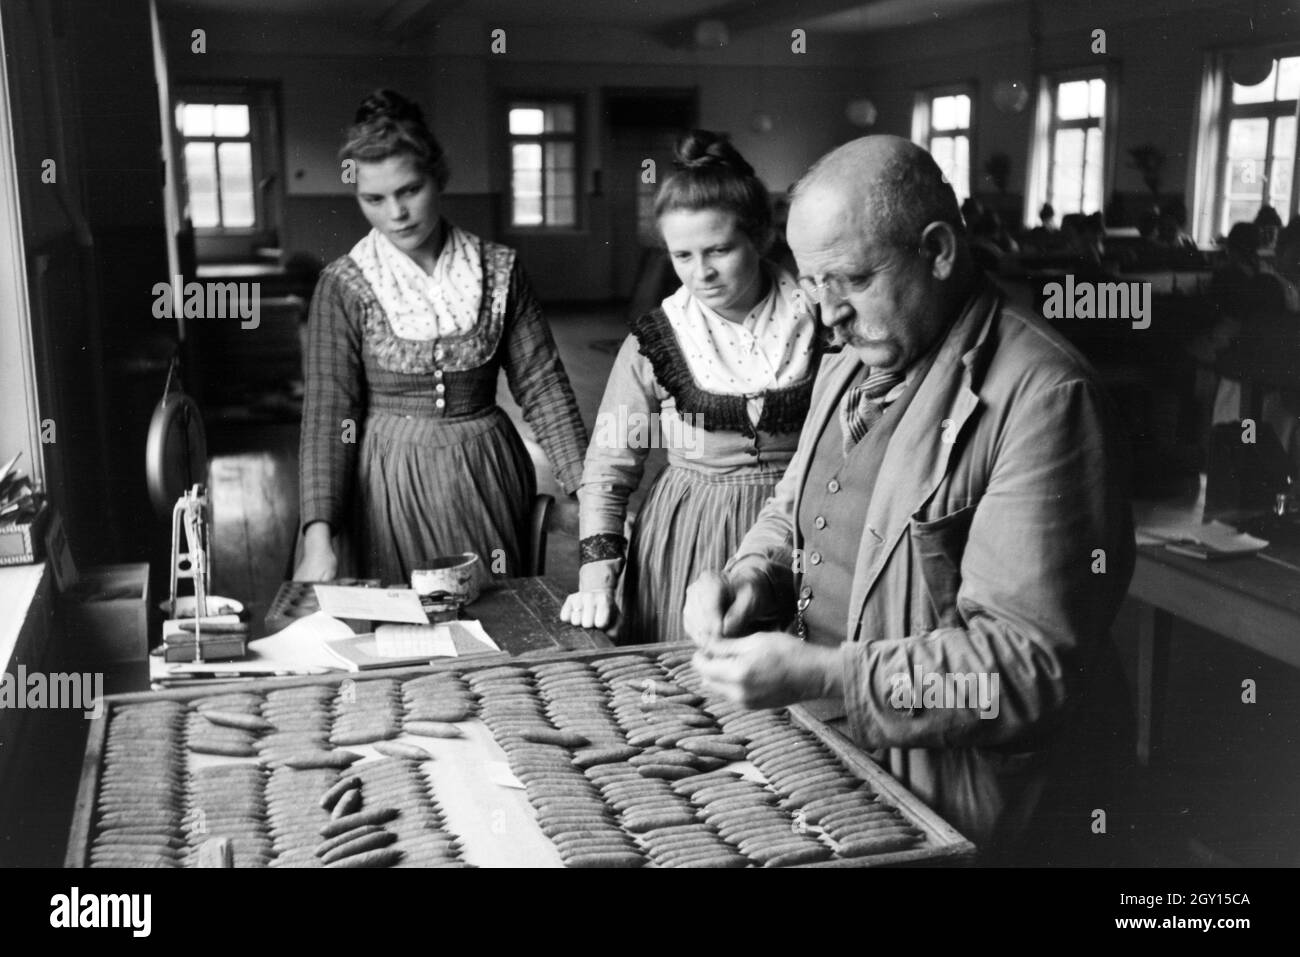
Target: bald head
[[877, 236], [893, 187]]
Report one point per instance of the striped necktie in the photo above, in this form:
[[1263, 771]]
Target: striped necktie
[[864, 405]]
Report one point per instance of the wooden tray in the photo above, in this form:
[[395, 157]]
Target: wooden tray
[[942, 845]]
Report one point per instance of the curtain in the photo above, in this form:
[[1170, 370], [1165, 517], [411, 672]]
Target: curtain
[[1040, 152], [1203, 173], [921, 121]]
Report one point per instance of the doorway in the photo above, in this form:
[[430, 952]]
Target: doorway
[[640, 124]]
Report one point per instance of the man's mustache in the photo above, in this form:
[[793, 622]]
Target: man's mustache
[[830, 339]]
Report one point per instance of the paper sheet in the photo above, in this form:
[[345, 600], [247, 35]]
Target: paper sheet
[[499, 773], [1213, 536], [474, 630], [300, 645], [410, 641], [372, 604]]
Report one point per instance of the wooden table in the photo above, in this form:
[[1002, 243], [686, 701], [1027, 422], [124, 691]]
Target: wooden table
[[1248, 600], [523, 617]]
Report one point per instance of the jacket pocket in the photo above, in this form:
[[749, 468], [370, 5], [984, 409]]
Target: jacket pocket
[[938, 546]]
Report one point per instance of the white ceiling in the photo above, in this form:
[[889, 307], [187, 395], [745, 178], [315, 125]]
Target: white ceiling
[[647, 15]]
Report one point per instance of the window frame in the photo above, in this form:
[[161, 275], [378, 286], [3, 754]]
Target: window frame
[[1228, 111], [20, 389], [1050, 83], [511, 99], [923, 130], [253, 98]]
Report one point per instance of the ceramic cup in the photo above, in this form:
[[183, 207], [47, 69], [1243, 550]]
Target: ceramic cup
[[454, 577]]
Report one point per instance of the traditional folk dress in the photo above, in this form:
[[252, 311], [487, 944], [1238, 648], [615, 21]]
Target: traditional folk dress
[[404, 451], [726, 400]]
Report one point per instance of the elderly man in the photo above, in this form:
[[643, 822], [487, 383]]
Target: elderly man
[[952, 540]]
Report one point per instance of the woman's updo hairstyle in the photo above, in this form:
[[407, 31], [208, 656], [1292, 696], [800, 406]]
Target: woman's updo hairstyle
[[711, 174], [388, 124]]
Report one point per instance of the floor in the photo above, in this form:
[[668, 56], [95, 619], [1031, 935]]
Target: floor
[[1223, 792]]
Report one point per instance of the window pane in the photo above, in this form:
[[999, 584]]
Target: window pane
[[1067, 171], [1092, 179], [943, 113], [526, 184], [941, 148], [196, 119], [528, 210], [1288, 78], [201, 179], [236, 165], [1259, 93], [963, 111], [1097, 98], [526, 156], [527, 203], [1248, 139], [559, 118], [960, 177], [525, 121], [559, 182], [560, 211], [952, 154], [1244, 176], [1072, 100], [559, 156], [1279, 181], [231, 119]]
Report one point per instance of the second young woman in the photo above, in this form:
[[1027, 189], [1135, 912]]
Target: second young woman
[[721, 375]]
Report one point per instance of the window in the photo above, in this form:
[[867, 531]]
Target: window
[[218, 154], [543, 148], [1076, 144], [941, 122], [1259, 145]]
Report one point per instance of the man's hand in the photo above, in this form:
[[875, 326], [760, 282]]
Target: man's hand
[[769, 669], [720, 606], [590, 609]]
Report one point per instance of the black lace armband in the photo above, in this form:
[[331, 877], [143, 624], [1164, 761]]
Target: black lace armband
[[599, 548]]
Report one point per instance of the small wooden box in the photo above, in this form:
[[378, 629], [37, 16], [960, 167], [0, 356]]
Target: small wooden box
[[106, 616], [22, 543]]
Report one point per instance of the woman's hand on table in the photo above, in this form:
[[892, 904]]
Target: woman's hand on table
[[590, 609], [318, 562]]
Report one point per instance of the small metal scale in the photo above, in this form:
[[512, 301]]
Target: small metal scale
[[176, 460], [215, 640]]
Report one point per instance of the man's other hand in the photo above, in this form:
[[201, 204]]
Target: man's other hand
[[719, 606], [769, 669]]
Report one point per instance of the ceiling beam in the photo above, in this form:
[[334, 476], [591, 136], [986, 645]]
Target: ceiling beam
[[746, 15], [412, 16]]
